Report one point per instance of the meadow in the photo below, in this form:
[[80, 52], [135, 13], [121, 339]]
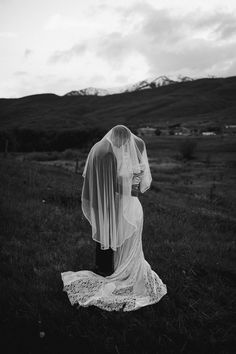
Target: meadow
[[188, 239]]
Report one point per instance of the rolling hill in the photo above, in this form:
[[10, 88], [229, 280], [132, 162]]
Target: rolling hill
[[191, 102], [207, 101]]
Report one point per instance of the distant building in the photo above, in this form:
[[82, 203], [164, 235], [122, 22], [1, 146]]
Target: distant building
[[177, 129], [208, 133], [182, 131], [147, 131], [230, 129]]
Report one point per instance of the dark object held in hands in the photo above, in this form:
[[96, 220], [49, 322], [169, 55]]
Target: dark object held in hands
[[136, 184], [135, 190]]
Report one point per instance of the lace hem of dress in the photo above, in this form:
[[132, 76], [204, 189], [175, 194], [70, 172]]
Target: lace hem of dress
[[89, 291]]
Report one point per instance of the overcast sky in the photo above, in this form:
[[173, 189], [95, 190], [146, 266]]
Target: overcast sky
[[62, 45]]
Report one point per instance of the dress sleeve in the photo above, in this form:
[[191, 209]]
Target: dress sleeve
[[146, 178]]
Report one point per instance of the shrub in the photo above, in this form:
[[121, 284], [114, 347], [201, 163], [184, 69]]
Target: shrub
[[158, 131], [42, 156], [70, 154], [187, 148]]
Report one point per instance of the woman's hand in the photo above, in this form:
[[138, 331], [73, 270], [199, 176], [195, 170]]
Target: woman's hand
[[136, 180], [137, 177]]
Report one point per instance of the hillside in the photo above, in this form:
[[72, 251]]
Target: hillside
[[47, 122], [202, 100]]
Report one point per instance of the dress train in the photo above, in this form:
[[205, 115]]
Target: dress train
[[132, 285]]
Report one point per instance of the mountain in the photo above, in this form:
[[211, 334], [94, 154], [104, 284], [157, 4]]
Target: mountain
[[89, 91], [150, 83]]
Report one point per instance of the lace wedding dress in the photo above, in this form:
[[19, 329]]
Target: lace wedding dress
[[133, 284]]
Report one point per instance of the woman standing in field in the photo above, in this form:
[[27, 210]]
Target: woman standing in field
[[116, 167]]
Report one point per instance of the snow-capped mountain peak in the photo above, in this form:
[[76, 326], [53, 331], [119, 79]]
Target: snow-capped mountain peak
[[89, 91], [149, 83]]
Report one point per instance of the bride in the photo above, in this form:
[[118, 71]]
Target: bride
[[116, 167]]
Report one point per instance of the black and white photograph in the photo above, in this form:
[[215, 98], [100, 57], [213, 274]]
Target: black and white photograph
[[118, 176]]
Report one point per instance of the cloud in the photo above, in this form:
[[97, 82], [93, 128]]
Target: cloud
[[230, 69], [226, 30], [20, 73], [27, 53], [115, 47], [67, 55], [122, 78], [158, 41], [222, 24], [170, 43], [8, 35], [198, 56], [60, 22], [23, 85], [156, 24], [98, 79]]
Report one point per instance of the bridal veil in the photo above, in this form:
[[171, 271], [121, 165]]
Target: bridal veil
[[110, 168]]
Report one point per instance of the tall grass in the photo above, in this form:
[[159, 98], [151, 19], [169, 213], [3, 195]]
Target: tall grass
[[187, 148]]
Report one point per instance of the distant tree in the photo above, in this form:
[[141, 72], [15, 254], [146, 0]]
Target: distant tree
[[70, 138], [28, 140], [8, 135], [217, 129]]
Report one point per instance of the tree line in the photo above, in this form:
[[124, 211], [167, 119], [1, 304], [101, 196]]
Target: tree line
[[26, 139]]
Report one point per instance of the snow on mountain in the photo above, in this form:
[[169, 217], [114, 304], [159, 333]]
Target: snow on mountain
[[138, 86], [89, 91], [150, 83]]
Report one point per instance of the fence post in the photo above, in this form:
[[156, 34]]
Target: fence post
[[6, 148], [76, 165]]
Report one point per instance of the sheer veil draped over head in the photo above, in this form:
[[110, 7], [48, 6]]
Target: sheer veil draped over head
[[109, 171]]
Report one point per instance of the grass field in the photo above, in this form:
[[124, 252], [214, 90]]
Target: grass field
[[188, 239]]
